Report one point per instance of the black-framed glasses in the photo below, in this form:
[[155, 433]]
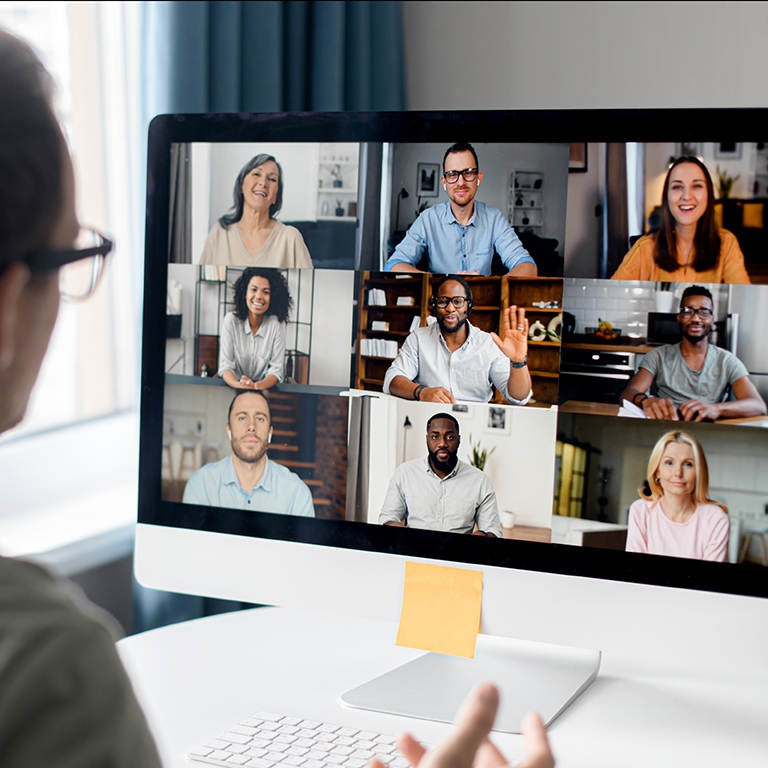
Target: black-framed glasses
[[688, 312], [469, 174], [80, 267], [443, 301]]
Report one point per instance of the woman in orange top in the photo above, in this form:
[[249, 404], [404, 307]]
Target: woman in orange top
[[689, 245]]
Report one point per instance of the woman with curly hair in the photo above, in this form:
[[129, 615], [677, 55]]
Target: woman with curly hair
[[249, 234], [252, 347], [674, 515], [689, 245]]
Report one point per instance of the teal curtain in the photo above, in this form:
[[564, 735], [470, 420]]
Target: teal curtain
[[272, 56]]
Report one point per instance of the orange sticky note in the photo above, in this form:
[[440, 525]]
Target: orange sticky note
[[441, 609]]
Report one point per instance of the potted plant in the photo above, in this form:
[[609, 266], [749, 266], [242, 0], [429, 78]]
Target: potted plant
[[725, 183], [477, 455], [336, 173], [339, 208]]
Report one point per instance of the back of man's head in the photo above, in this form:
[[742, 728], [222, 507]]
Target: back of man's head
[[31, 153]]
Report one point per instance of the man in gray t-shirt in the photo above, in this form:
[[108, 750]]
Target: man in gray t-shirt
[[690, 380]]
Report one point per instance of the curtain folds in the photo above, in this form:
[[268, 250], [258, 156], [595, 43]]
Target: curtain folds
[[274, 56]]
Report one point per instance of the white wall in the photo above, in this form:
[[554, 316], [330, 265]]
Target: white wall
[[522, 479], [568, 55], [583, 229], [497, 161]]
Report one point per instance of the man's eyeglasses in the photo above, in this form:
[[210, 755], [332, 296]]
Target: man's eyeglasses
[[688, 312], [443, 301], [469, 174], [80, 267]]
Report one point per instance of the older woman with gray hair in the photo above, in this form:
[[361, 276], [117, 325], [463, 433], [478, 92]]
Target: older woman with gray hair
[[249, 235]]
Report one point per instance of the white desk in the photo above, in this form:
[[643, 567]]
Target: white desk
[[198, 678]]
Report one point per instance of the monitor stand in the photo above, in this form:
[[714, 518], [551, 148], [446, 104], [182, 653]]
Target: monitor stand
[[530, 677]]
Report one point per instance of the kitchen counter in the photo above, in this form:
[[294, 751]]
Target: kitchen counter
[[624, 344]]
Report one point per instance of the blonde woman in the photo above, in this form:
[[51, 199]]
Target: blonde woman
[[676, 517]]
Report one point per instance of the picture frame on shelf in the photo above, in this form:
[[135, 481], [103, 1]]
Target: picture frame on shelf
[[577, 158], [727, 150]]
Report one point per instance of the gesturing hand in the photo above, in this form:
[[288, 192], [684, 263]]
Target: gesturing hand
[[515, 329], [468, 744]]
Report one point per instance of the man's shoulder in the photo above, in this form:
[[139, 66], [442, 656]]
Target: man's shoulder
[[284, 476], [215, 470], [465, 469]]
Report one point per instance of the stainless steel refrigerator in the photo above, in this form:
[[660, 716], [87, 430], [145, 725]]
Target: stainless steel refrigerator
[[748, 319]]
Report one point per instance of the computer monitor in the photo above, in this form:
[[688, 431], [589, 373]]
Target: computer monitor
[[558, 587]]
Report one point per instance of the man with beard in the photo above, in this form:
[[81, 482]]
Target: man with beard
[[462, 233], [248, 479], [690, 380], [442, 493], [452, 360]]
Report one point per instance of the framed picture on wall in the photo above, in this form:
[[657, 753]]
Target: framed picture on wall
[[688, 149], [427, 180], [727, 150], [577, 158], [498, 420]]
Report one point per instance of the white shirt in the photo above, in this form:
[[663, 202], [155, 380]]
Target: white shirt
[[468, 373], [254, 356], [421, 499]]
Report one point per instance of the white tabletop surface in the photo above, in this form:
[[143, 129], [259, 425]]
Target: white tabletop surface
[[196, 679]]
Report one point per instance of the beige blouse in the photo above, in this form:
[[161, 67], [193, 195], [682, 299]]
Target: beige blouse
[[283, 249]]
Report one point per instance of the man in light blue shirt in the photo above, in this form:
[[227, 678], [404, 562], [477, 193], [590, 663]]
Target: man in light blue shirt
[[461, 234], [248, 479]]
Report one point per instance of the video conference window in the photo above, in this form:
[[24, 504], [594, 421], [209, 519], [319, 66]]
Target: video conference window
[[254, 327], [501, 345], [280, 452], [690, 490], [660, 351], [491, 209], [468, 469], [672, 212]]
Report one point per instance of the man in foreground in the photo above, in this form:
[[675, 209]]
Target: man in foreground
[[452, 360], [461, 234], [441, 492], [690, 380], [248, 479]]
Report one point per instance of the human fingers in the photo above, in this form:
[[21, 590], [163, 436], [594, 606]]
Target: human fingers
[[667, 408], [474, 721], [522, 322], [488, 756], [376, 763], [411, 750], [537, 751]]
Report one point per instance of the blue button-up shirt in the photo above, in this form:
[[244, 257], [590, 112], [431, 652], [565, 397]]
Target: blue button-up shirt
[[467, 373], [454, 248], [279, 490]]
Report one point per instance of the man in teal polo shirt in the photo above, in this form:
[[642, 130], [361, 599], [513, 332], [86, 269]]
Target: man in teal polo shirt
[[248, 479]]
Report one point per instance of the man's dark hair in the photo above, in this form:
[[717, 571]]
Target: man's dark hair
[[696, 290], [461, 147], [31, 153], [444, 416], [453, 279], [280, 301], [248, 392]]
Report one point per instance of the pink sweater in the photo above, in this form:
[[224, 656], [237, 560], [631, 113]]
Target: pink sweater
[[703, 537]]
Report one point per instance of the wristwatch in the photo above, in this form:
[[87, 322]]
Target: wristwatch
[[521, 364]]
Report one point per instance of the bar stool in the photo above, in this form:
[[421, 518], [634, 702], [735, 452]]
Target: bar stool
[[211, 452], [187, 451], [167, 456]]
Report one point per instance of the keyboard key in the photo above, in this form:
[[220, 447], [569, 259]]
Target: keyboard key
[[364, 744], [367, 735], [289, 729], [270, 716], [363, 754], [251, 752], [316, 754], [274, 757], [294, 760], [313, 764], [354, 762], [336, 759], [218, 754], [252, 722], [326, 737], [217, 744], [346, 751], [328, 728], [243, 729], [269, 726], [383, 749], [235, 738], [200, 751], [345, 741], [257, 762], [291, 720], [284, 738], [306, 733], [346, 732], [261, 743], [238, 759], [296, 751], [310, 724], [237, 749]]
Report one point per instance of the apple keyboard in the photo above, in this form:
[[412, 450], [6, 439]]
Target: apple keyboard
[[269, 740]]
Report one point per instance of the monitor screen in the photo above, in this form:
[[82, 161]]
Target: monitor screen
[[324, 405]]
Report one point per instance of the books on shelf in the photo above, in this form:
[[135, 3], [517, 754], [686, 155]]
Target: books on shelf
[[378, 348], [405, 301], [377, 297]]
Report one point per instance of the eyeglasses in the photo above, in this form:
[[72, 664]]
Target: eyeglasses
[[469, 174], [443, 301], [80, 267], [688, 312]]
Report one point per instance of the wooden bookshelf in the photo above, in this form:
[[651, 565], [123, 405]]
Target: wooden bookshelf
[[490, 296]]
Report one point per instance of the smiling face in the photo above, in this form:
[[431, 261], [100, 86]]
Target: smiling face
[[450, 319], [442, 445], [687, 195], [260, 186], [677, 471], [258, 296], [462, 192], [696, 327], [249, 427]]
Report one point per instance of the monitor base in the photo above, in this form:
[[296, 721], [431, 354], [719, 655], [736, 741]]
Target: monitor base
[[530, 677]]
